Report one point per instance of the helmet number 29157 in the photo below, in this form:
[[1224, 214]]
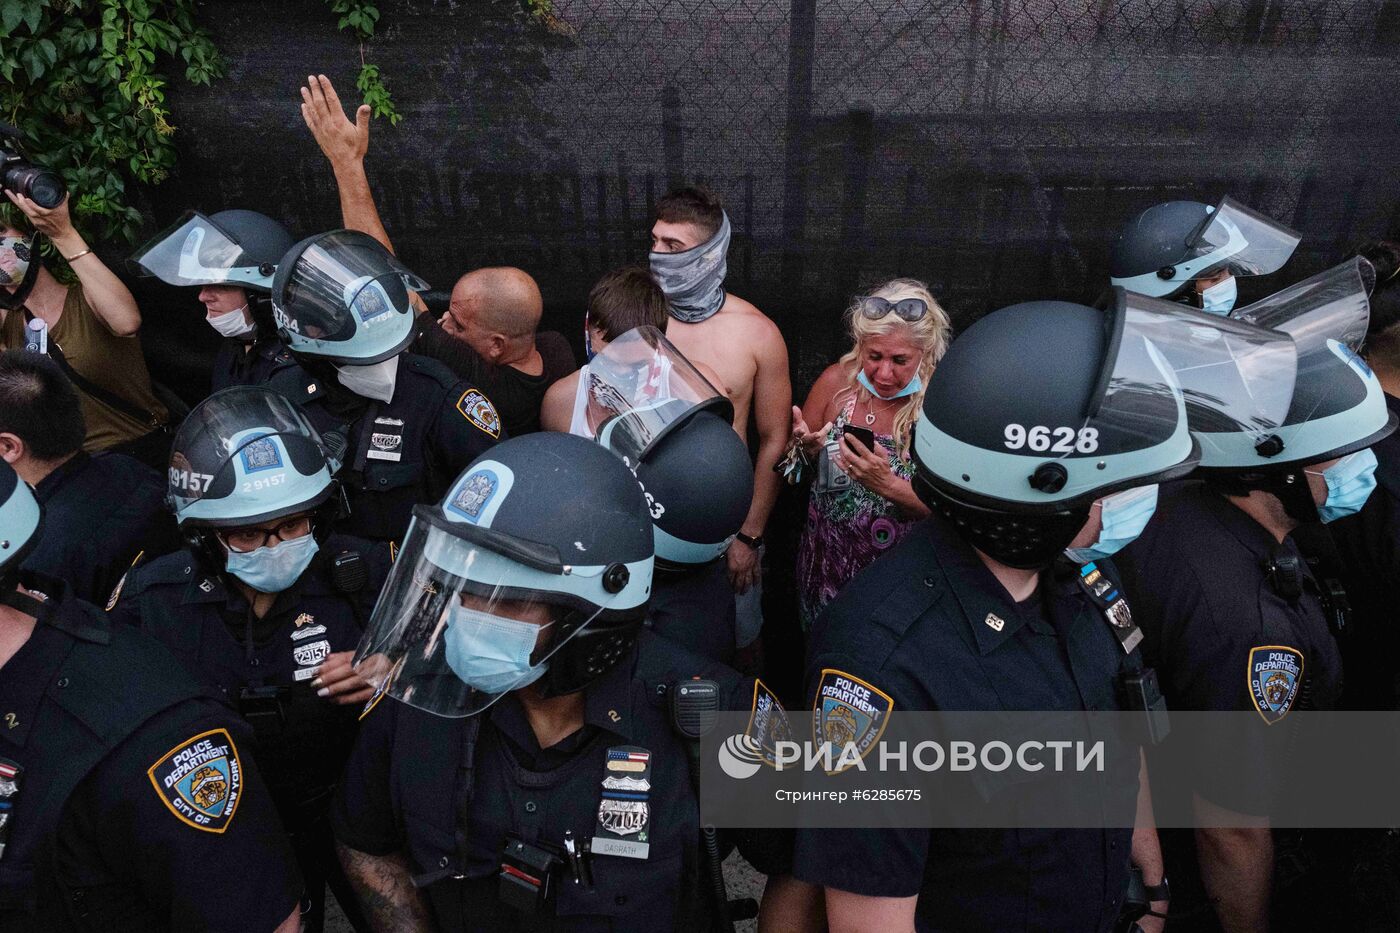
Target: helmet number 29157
[[1063, 440]]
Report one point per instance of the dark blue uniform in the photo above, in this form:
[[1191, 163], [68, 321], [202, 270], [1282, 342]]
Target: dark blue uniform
[[1222, 636], [263, 667], [100, 512], [927, 627], [243, 364], [411, 771], [400, 453], [135, 805], [695, 608]]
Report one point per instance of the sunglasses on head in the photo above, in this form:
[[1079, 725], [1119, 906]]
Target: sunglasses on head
[[908, 309]]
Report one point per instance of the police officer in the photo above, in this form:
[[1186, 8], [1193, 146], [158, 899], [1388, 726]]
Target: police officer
[[230, 257], [405, 424], [526, 774], [265, 605], [104, 509], [126, 801], [967, 613], [676, 435], [1192, 252], [1234, 619]]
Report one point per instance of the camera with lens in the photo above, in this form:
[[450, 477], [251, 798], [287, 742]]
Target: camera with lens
[[42, 186]]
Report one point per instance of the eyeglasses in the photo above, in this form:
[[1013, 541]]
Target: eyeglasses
[[244, 540], [908, 309]]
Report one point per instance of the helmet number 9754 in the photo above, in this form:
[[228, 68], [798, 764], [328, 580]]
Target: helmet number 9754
[[1063, 440]]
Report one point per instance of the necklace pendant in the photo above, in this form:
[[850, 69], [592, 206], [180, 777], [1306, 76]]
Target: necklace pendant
[[870, 418]]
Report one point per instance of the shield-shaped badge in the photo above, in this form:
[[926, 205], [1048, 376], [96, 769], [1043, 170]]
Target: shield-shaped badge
[[849, 711], [201, 780], [1275, 677]]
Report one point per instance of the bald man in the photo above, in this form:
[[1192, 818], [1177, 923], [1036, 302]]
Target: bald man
[[488, 334]]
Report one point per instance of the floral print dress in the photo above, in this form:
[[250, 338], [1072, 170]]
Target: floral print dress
[[846, 530]]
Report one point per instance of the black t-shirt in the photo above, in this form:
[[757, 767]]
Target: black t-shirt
[[517, 395]]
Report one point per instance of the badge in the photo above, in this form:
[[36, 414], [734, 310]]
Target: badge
[[1103, 592], [301, 633], [768, 722], [311, 653], [9, 790], [386, 440], [994, 622], [116, 593], [1275, 677], [477, 409], [201, 780], [847, 710], [305, 618], [261, 454], [473, 493], [206, 585], [624, 808]]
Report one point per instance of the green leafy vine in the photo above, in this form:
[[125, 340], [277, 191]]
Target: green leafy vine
[[360, 17]]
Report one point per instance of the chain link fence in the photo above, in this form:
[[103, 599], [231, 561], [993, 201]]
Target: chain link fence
[[991, 147]]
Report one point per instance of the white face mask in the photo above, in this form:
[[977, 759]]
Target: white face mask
[[231, 323], [374, 381]]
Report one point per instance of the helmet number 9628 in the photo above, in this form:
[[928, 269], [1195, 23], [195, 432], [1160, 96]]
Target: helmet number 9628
[[1040, 439]]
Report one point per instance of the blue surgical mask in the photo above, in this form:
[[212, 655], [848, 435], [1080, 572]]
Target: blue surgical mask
[[1349, 484], [273, 569], [489, 652], [1220, 297], [1124, 515], [913, 386]]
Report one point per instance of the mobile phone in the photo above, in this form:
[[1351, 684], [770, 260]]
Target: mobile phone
[[864, 435]]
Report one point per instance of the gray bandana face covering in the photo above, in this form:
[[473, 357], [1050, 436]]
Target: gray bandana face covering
[[694, 280]]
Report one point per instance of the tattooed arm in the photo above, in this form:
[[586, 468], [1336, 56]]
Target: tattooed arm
[[385, 887]]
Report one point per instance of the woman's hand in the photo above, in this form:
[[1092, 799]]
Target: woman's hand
[[339, 683], [810, 441], [872, 470], [52, 222]]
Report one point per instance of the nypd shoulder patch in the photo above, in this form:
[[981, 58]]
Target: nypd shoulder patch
[[477, 408], [201, 780], [768, 722], [1275, 676], [849, 711]]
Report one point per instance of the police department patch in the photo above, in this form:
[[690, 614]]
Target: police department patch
[[201, 780], [768, 722], [1275, 677], [477, 409], [847, 710]]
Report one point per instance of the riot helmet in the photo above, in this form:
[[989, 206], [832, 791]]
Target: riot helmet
[[1016, 463], [1162, 250], [342, 297], [674, 430], [247, 456], [535, 569], [233, 247], [20, 518]]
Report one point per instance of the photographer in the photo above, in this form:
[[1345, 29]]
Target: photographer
[[88, 328]]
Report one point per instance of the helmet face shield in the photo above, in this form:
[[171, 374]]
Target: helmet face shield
[[344, 296], [639, 387], [245, 455], [1239, 239], [196, 251], [469, 615], [1132, 432]]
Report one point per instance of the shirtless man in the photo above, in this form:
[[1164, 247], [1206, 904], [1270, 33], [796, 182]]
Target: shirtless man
[[688, 245]]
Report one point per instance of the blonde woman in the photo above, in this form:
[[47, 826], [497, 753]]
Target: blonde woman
[[900, 333]]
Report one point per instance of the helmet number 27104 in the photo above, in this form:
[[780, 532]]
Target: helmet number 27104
[[1041, 439]]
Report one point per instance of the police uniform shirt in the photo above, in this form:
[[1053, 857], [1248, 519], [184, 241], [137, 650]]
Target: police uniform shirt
[[1222, 638], [695, 608], [100, 512], [242, 364], [406, 451], [928, 627], [170, 828], [264, 667], [400, 794]]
